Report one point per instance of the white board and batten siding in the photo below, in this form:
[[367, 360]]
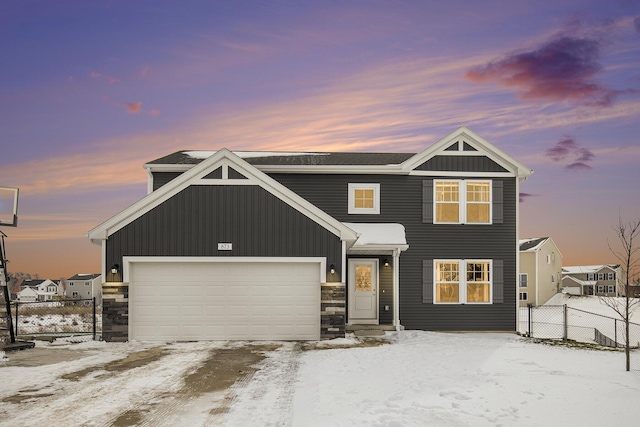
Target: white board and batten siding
[[183, 300]]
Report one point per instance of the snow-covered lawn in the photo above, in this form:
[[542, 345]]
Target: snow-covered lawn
[[418, 379]]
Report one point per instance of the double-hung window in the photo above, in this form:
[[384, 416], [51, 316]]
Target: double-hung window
[[364, 198], [524, 280], [462, 282], [462, 202]]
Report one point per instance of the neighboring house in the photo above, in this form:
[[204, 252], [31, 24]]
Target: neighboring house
[[540, 270], [37, 290], [600, 280], [84, 286], [291, 246]]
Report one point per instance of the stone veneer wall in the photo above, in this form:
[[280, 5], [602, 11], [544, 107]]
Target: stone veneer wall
[[115, 311], [332, 310]]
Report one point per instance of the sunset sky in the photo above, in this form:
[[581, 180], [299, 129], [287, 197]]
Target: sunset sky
[[90, 91]]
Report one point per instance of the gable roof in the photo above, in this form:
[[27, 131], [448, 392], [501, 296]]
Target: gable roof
[[198, 175], [465, 142], [468, 144], [86, 276], [532, 244], [585, 269]]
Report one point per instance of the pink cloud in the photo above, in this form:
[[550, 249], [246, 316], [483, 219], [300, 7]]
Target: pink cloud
[[568, 148], [562, 69], [133, 107], [154, 112], [579, 166], [110, 79]]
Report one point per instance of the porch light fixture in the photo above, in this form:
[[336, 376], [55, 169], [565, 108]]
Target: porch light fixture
[[386, 262], [115, 268], [332, 269]]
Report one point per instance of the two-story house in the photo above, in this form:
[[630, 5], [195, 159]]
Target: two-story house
[[293, 246], [84, 287], [600, 280], [37, 290], [540, 270]]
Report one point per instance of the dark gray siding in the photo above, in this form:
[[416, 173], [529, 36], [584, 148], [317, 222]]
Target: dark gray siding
[[401, 202], [461, 163], [194, 221], [161, 178]]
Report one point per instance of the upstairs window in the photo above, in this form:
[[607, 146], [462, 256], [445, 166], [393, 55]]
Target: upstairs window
[[611, 276], [462, 202], [591, 276], [524, 280], [364, 198]]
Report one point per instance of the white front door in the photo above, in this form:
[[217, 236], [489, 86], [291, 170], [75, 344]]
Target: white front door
[[363, 291]]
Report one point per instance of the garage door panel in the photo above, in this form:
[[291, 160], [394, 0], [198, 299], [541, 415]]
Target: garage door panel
[[220, 301]]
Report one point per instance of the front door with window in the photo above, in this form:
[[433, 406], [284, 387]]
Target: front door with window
[[363, 291]]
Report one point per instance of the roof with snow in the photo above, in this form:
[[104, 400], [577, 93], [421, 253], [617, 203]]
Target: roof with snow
[[585, 269], [373, 234], [85, 276], [532, 244], [192, 157]]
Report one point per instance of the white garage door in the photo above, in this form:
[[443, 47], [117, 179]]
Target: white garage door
[[224, 301]]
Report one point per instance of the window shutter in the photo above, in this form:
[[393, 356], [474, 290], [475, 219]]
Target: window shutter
[[498, 281], [427, 201], [427, 281], [498, 194]]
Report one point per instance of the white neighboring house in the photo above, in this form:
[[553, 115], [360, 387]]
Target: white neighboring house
[[600, 280], [38, 290], [540, 273], [84, 286]]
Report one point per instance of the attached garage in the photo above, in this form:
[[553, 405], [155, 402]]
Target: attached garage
[[224, 298]]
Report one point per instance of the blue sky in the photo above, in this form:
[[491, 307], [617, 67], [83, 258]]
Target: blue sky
[[89, 91]]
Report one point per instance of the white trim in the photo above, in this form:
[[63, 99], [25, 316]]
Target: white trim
[[520, 280], [225, 171], [352, 187], [210, 181], [376, 266], [462, 200], [483, 146], [103, 244], [343, 273], [396, 290], [128, 260], [149, 182], [462, 281], [462, 174]]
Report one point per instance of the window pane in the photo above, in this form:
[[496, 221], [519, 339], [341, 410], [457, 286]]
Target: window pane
[[363, 277], [447, 271], [363, 198], [478, 192], [447, 191], [447, 212], [478, 292], [477, 212], [447, 292], [477, 272]]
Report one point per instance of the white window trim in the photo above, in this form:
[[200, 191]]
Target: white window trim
[[610, 289], [611, 276], [462, 291], [526, 296], [520, 280], [462, 203], [376, 198]]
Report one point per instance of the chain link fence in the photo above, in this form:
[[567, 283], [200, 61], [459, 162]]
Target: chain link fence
[[562, 322], [55, 319]]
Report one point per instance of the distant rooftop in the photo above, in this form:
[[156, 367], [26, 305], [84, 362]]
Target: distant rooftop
[[84, 276], [532, 243]]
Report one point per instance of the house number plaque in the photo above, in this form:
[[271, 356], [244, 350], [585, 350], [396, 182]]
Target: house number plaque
[[225, 246]]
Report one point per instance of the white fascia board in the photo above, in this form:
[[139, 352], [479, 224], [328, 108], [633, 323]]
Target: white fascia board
[[151, 167], [196, 173], [462, 174], [476, 141]]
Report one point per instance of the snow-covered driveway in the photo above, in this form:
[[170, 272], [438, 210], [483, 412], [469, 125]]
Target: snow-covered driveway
[[418, 379]]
